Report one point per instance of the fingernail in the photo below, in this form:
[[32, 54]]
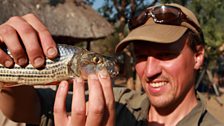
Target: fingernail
[[92, 76], [38, 62], [8, 63], [103, 74], [79, 80], [51, 51], [22, 61]]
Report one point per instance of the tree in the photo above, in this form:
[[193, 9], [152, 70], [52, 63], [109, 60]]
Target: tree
[[119, 11], [181, 2], [210, 15]]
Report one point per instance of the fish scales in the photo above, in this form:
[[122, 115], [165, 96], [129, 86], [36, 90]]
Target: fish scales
[[72, 61]]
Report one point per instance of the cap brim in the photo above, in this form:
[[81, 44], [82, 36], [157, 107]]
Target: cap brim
[[157, 33]]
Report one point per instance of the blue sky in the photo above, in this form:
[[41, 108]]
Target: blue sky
[[99, 3]]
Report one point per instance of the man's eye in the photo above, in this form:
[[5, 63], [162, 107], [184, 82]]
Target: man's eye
[[139, 58]]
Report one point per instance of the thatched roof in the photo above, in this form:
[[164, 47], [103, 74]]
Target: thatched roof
[[67, 19]]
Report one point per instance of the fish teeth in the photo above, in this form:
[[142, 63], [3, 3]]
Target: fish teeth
[[157, 84]]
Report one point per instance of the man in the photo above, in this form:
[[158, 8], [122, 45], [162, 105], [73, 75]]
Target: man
[[169, 48]]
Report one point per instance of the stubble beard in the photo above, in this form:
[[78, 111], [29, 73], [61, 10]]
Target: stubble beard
[[162, 101]]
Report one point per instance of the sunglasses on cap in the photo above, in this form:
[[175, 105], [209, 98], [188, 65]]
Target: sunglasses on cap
[[164, 14]]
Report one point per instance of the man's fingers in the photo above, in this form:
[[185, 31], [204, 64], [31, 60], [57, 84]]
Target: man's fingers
[[60, 115], [78, 103], [36, 41], [106, 85], [10, 38], [46, 40], [5, 59], [96, 104], [30, 40]]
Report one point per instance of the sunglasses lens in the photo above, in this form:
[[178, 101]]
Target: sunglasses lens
[[161, 14], [166, 14]]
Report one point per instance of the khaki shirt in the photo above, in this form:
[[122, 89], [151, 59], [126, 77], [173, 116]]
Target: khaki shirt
[[131, 110]]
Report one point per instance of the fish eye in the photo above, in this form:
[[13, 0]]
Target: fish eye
[[96, 60]]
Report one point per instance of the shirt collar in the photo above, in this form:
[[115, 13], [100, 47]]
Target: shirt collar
[[198, 112]]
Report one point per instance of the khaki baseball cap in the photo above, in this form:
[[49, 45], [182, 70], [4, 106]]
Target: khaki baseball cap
[[160, 33]]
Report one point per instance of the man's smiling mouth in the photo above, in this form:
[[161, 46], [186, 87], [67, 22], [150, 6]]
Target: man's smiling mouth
[[158, 84]]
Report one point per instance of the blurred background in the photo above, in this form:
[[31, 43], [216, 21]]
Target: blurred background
[[99, 25]]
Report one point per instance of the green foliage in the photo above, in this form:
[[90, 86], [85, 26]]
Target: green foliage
[[182, 2], [109, 11], [106, 46], [210, 14]]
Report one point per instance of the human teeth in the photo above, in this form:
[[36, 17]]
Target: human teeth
[[157, 84]]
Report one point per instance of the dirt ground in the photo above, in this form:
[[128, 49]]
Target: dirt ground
[[215, 108]]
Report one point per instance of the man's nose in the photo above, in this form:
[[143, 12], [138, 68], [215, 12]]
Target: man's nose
[[153, 67]]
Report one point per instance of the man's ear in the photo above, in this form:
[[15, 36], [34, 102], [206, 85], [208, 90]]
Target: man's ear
[[199, 56]]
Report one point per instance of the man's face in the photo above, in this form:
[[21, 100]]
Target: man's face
[[167, 71]]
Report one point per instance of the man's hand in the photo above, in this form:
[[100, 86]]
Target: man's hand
[[27, 39], [99, 110]]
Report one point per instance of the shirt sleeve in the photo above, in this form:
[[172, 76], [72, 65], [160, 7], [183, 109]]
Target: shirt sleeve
[[131, 107], [47, 96]]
